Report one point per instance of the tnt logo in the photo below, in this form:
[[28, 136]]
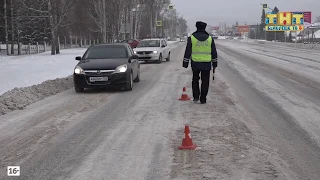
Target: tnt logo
[[297, 18], [284, 18]]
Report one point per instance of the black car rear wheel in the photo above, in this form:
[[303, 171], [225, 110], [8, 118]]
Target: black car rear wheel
[[128, 86], [77, 88]]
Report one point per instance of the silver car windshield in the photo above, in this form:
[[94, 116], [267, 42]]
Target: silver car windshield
[[149, 43]]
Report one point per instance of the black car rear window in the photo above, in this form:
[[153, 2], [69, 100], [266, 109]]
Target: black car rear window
[[106, 52]]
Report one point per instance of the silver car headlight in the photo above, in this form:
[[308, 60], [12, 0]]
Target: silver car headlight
[[121, 69], [78, 70], [135, 52], [155, 52]]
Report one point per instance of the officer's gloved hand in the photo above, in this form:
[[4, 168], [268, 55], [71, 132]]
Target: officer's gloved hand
[[185, 64]]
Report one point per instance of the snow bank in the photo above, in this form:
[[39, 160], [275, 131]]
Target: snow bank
[[28, 70], [29, 78], [19, 98]]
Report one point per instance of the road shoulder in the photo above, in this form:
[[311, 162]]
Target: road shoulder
[[227, 148]]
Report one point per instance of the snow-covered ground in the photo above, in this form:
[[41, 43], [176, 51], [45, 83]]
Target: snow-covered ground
[[300, 67], [28, 70], [303, 63]]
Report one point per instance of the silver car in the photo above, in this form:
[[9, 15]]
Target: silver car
[[153, 50]]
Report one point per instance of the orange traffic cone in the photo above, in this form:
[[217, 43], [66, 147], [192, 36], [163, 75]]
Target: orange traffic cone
[[187, 141], [184, 96]]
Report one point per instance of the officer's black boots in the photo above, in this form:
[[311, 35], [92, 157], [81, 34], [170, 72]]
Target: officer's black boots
[[203, 100]]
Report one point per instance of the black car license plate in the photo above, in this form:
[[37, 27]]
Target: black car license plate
[[98, 79]]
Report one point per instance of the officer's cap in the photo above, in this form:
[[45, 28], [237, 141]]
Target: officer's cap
[[201, 25]]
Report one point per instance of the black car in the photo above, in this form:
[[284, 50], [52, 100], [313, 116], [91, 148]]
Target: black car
[[107, 65]]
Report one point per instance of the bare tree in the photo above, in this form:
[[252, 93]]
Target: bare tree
[[54, 20], [6, 25], [98, 15], [12, 27], [181, 26], [57, 12]]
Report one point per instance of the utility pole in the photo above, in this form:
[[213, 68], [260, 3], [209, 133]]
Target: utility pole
[[265, 33], [285, 37]]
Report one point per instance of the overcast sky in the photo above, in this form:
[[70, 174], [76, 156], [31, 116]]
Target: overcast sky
[[246, 11]]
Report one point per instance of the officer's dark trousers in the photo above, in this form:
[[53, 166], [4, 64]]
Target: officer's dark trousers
[[205, 77]]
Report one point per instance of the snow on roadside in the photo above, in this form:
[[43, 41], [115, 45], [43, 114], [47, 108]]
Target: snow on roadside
[[19, 98], [305, 112], [227, 148], [28, 70]]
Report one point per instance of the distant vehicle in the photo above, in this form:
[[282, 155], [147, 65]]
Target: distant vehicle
[[132, 42], [215, 36], [153, 50], [261, 41], [107, 65]]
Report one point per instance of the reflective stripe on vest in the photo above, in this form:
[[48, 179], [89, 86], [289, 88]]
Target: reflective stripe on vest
[[201, 50]]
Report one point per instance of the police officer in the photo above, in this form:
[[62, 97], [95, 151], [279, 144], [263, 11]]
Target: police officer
[[201, 50]]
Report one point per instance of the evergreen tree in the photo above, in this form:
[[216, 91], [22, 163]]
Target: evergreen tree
[[262, 24]]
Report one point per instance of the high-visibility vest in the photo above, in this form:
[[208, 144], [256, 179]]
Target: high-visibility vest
[[201, 50]]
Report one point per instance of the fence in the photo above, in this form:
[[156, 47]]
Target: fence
[[42, 47]]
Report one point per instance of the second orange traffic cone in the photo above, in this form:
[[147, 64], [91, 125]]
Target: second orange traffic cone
[[184, 96]]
